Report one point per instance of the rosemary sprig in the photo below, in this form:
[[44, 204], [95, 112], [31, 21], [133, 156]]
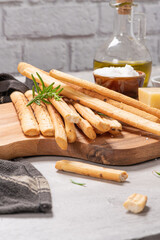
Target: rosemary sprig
[[156, 173], [80, 184], [45, 93]]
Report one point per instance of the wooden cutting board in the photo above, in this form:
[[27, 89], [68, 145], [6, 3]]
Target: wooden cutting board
[[133, 146]]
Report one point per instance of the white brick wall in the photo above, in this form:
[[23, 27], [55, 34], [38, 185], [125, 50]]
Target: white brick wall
[[63, 33]]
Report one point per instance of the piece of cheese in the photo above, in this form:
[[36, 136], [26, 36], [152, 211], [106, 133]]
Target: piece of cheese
[[150, 96]]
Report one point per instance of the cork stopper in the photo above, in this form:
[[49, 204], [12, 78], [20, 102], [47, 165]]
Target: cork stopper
[[126, 9]]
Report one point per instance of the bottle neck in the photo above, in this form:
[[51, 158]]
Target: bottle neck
[[123, 24]]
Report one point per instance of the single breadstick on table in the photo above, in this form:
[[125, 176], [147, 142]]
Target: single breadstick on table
[[91, 117], [104, 91], [42, 116], [91, 170], [135, 203], [85, 126], [60, 134], [70, 131], [94, 103], [121, 105], [28, 122]]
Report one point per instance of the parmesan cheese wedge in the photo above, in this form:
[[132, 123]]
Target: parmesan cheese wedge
[[150, 96]]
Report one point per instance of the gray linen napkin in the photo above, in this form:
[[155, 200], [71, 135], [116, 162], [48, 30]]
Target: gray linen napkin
[[23, 188], [9, 84]]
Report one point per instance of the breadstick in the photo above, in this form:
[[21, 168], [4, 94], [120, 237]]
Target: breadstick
[[42, 116], [134, 110], [60, 135], [107, 122], [99, 132], [94, 103], [91, 117], [70, 131], [135, 203], [61, 106], [85, 126], [65, 111], [115, 126], [113, 112], [121, 105], [69, 118], [28, 122], [91, 170], [104, 91], [111, 131]]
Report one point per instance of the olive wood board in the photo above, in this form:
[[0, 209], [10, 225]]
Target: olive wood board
[[133, 146]]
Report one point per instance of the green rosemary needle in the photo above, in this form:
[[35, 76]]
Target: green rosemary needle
[[44, 93], [156, 173], [80, 184], [101, 114]]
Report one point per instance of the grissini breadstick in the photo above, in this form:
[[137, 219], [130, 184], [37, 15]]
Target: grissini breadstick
[[91, 117], [108, 124], [121, 105], [60, 134], [42, 116], [94, 103], [135, 203], [65, 111], [61, 106], [102, 131], [99, 132], [28, 122], [112, 131], [115, 126], [85, 126], [104, 91], [68, 115], [134, 110], [70, 131], [91, 170]]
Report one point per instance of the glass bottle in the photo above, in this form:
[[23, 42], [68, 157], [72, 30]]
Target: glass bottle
[[124, 47]]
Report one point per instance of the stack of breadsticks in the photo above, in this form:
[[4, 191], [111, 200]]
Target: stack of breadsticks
[[92, 108]]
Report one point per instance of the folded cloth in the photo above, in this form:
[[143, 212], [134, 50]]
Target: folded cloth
[[23, 188], [9, 84]]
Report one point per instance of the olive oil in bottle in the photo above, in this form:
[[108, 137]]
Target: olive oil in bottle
[[137, 65], [123, 46]]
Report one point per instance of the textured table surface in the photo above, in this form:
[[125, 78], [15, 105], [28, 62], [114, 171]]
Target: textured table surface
[[94, 212]]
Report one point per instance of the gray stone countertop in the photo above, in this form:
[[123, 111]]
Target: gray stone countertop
[[94, 212]]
